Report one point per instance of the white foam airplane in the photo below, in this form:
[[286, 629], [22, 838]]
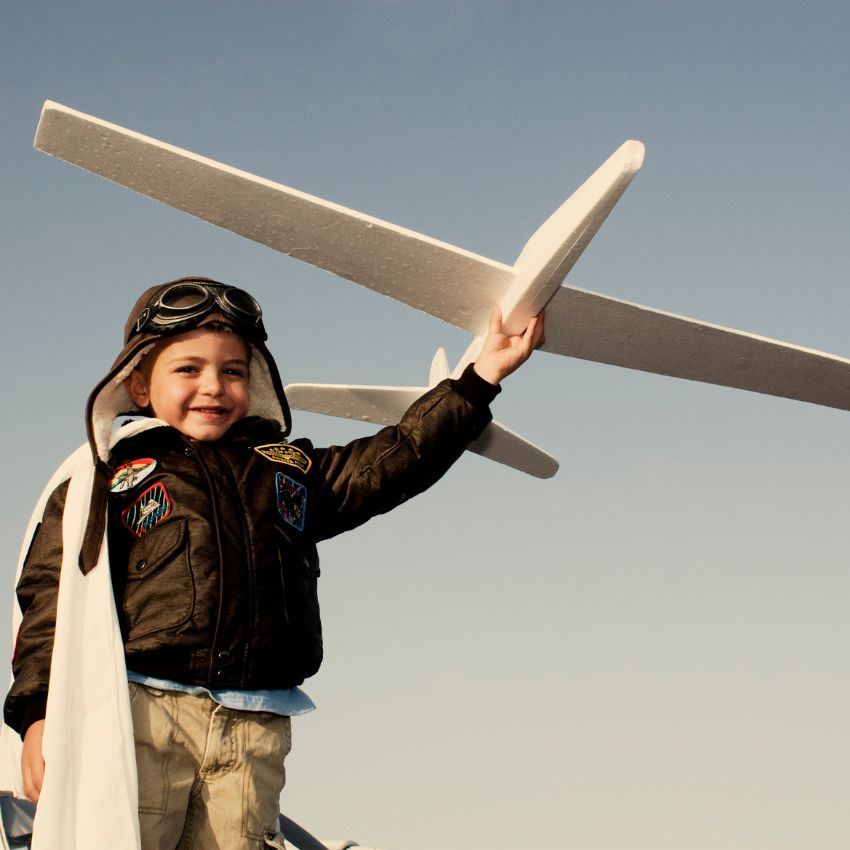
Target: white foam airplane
[[450, 283]]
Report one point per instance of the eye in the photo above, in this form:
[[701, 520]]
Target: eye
[[235, 371], [186, 369]]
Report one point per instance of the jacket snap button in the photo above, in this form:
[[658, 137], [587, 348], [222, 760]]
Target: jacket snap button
[[188, 451], [223, 657], [140, 565]]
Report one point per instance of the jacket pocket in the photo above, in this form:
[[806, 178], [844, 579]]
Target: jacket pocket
[[299, 576], [160, 589]]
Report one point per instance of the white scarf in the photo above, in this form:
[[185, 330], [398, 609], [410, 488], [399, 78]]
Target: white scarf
[[90, 793]]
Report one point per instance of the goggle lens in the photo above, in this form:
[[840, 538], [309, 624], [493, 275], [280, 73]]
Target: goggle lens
[[241, 302], [186, 301], [180, 299]]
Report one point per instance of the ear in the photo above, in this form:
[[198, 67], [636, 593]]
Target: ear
[[138, 389]]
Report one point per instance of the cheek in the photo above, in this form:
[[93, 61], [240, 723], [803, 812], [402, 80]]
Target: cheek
[[242, 398], [168, 397]]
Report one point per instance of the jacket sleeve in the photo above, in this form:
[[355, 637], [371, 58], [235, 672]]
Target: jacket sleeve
[[37, 590], [352, 483]]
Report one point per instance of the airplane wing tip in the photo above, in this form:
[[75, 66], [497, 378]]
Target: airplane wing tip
[[542, 470], [545, 470], [48, 107], [636, 151], [52, 106]]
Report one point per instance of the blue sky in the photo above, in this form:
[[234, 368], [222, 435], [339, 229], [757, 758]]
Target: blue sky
[[651, 649]]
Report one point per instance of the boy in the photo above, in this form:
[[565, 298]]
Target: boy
[[211, 520]]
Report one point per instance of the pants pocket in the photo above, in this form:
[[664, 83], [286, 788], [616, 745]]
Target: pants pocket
[[268, 739], [153, 730]]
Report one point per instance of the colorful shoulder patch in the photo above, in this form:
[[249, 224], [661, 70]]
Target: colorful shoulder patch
[[131, 473], [291, 500], [151, 508], [285, 453]]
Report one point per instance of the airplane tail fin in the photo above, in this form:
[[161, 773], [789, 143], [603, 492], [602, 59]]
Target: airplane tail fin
[[439, 368], [504, 446], [556, 245], [554, 248], [386, 405]]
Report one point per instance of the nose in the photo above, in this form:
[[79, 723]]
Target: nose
[[211, 383]]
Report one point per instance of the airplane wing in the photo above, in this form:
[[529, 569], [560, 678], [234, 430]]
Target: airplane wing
[[386, 405], [450, 283], [605, 330], [442, 280]]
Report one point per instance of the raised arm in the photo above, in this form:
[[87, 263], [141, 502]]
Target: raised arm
[[501, 353], [352, 483]]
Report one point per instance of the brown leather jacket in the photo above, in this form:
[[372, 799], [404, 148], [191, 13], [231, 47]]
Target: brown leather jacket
[[213, 545]]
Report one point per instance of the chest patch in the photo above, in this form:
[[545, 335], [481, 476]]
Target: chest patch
[[130, 474], [151, 508], [291, 500], [285, 453]]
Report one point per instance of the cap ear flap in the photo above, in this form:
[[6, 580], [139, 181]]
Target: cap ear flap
[[137, 387]]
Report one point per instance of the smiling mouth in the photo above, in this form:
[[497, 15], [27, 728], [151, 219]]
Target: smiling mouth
[[209, 411]]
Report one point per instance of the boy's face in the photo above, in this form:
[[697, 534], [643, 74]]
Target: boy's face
[[198, 382]]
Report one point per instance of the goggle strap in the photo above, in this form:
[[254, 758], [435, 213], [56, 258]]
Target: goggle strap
[[143, 319], [151, 316]]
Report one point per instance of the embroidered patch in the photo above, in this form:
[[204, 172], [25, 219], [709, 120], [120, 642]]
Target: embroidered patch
[[130, 474], [285, 453], [152, 507], [291, 500]]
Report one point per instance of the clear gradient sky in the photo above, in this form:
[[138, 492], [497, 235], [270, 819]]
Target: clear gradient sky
[[650, 651]]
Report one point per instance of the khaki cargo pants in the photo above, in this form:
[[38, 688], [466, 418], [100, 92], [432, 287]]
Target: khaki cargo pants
[[209, 776]]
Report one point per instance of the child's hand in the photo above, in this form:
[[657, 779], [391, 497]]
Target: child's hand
[[502, 354], [32, 761]]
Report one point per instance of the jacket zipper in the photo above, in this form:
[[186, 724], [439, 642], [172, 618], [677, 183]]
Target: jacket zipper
[[249, 555]]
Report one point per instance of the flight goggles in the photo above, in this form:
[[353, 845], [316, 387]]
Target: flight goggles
[[182, 306]]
